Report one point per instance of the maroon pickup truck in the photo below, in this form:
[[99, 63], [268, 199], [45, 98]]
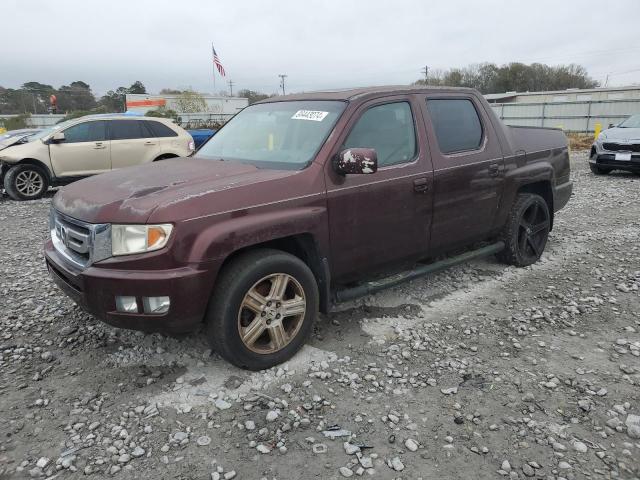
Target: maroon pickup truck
[[300, 202]]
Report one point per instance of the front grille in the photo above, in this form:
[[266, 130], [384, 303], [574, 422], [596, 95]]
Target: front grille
[[621, 147], [80, 242]]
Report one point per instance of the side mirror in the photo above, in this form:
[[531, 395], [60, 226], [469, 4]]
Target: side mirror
[[57, 137], [611, 125], [356, 161]]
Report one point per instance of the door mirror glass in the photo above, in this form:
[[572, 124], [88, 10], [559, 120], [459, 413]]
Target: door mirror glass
[[58, 137], [356, 161]]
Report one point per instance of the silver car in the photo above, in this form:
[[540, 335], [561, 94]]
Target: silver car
[[617, 148]]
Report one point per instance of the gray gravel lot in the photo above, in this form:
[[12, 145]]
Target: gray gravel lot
[[482, 371]]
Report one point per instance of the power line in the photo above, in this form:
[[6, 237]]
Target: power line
[[282, 77]]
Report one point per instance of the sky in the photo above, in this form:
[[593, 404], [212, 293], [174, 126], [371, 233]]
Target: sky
[[318, 44]]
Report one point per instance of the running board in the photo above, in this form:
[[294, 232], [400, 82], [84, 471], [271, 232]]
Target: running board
[[374, 286]]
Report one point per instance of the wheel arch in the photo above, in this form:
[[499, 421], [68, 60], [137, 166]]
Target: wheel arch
[[29, 161], [303, 246], [542, 188], [165, 156]]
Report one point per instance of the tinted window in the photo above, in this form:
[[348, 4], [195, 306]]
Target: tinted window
[[389, 130], [127, 130], [85, 132], [456, 124], [160, 129]]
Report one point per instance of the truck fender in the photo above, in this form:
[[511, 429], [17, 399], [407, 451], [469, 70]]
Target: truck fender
[[517, 178], [242, 229]]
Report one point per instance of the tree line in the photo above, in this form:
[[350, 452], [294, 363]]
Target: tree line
[[33, 97], [512, 77]]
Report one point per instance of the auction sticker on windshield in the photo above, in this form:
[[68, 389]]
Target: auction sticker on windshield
[[315, 115]]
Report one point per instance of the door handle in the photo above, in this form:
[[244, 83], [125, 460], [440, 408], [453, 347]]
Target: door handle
[[99, 146], [149, 143], [494, 170], [421, 185]]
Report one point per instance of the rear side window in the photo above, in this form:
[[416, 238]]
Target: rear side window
[[86, 132], [389, 130], [127, 130], [160, 129], [456, 124]]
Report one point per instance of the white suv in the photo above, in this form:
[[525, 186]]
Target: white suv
[[86, 146]]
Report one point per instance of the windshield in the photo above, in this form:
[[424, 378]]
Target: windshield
[[48, 131], [632, 122], [277, 135]]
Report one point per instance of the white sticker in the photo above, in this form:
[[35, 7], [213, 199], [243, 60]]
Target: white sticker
[[315, 115]]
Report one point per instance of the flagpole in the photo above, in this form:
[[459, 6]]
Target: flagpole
[[213, 67]]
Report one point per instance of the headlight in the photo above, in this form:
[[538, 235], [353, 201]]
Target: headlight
[[128, 239]]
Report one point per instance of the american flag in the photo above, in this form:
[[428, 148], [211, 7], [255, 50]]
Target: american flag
[[216, 62]]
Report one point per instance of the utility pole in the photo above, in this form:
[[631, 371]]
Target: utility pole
[[231, 87], [282, 77], [426, 73]]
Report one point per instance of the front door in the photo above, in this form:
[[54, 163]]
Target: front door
[[380, 219], [468, 170], [84, 150]]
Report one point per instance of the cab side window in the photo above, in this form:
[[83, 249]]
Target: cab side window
[[388, 129], [128, 130], [456, 124], [86, 132]]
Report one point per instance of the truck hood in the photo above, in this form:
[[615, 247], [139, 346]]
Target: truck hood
[[131, 195]]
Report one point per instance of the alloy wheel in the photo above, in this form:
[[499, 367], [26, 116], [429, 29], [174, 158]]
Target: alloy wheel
[[29, 183], [271, 313], [533, 231]]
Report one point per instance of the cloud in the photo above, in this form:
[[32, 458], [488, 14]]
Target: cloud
[[317, 43]]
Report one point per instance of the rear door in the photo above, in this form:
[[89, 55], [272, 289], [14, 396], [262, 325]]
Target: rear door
[[468, 170], [132, 143], [381, 219], [84, 151], [169, 142]]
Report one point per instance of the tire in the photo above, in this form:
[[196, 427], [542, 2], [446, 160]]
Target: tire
[[599, 170], [526, 231], [26, 181], [274, 337]]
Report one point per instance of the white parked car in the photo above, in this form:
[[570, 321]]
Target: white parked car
[[87, 146]]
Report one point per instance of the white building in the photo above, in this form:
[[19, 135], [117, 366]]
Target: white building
[[222, 106]]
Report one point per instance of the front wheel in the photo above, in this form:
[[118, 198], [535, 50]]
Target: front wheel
[[526, 231], [262, 309], [26, 182]]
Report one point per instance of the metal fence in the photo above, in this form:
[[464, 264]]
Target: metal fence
[[185, 120], [38, 121], [580, 116]]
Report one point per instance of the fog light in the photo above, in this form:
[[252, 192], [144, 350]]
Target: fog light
[[156, 304], [126, 304]]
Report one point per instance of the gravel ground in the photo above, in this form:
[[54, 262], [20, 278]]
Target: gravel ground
[[483, 371]]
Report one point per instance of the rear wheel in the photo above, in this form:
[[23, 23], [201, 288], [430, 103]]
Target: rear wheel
[[526, 231], [262, 309], [599, 170], [26, 182]]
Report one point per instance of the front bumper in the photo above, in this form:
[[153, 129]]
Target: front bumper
[[95, 288], [608, 160]]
